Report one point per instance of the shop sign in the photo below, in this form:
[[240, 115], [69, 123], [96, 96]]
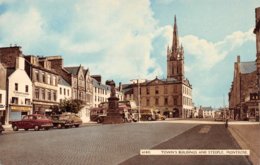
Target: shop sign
[[21, 108]]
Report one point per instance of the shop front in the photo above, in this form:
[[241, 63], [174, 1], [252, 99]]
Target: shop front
[[18, 111]]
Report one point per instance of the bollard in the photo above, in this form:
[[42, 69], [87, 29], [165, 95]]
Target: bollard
[[226, 123]]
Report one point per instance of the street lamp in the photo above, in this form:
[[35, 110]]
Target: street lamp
[[138, 96]]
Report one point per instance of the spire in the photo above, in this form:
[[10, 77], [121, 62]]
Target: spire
[[175, 38]]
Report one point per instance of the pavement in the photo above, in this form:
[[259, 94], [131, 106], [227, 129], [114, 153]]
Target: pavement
[[204, 136], [248, 137]]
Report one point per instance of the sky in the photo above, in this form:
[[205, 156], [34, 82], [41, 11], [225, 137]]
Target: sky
[[125, 40]]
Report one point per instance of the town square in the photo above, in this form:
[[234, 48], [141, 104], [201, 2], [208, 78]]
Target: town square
[[129, 82]]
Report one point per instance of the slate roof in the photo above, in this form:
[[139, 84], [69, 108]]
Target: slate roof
[[247, 67], [99, 85], [73, 70], [63, 82]]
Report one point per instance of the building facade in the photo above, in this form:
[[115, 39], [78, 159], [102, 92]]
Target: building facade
[[2, 93], [64, 90], [45, 84], [19, 91], [244, 95], [101, 92], [171, 96]]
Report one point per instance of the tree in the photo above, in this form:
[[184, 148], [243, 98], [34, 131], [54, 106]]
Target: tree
[[73, 106]]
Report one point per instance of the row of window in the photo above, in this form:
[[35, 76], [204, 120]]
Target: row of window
[[65, 92], [156, 101], [101, 91], [157, 91], [45, 77], [186, 91], [100, 99], [187, 101], [26, 101], [45, 94], [16, 87]]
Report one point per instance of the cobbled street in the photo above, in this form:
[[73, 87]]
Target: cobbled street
[[101, 144]]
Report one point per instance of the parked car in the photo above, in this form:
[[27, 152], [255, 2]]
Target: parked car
[[35, 121], [1, 128], [147, 114], [98, 114], [61, 121], [158, 115], [74, 119]]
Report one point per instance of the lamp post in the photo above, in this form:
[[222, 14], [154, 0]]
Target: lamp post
[[138, 96]]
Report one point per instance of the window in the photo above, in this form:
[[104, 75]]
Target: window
[[0, 98], [166, 101], [147, 91], [14, 100], [54, 95], [36, 93], [147, 102], [26, 88], [61, 91], [16, 86], [175, 101], [43, 78], [49, 95], [68, 92], [27, 101], [64, 91], [156, 101], [156, 90], [43, 94], [36, 75]]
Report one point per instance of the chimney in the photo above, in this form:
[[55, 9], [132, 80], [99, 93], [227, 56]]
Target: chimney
[[19, 63], [238, 59]]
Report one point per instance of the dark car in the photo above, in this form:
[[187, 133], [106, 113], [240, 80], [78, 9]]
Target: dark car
[[1, 128], [74, 119], [98, 114], [35, 121], [147, 114], [61, 121]]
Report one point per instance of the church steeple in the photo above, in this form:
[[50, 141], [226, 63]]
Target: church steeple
[[175, 38], [175, 56]]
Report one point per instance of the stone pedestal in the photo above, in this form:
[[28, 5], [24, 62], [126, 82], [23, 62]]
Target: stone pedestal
[[113, 114]]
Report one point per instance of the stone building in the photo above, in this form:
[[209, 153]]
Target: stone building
[[171, 96], [64, 90], [101, 92], [80, 82], [45, 84], [2, 93], [244, 92], [15, 85]]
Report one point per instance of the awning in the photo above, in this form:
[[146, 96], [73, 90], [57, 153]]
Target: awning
[[18, 108]]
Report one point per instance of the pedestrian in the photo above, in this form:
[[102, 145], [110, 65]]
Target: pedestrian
[[226, 124]]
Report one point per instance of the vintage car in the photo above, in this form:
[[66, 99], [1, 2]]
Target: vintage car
[[147, 114], [61, 121], [35, 121], [74, 119], [1, 128]]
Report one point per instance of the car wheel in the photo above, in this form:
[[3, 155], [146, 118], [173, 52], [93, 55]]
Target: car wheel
[[0, 131], [36, 128], [77, 125], [46, 128], [15, 128], [98, 120], [149, 118]]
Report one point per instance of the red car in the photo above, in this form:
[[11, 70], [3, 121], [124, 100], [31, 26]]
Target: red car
[[35, 121]]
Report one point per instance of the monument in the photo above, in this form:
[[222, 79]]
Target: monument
[[113, 113]]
